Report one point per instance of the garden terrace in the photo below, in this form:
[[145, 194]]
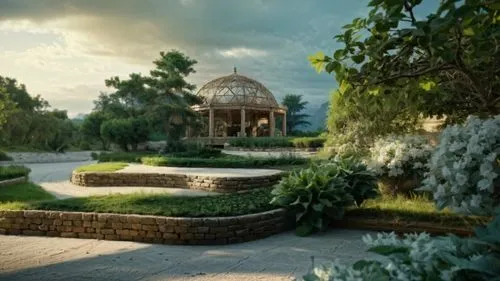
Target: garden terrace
[[218, 180]]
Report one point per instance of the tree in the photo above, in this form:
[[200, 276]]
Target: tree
[[91, 127], [293, 116], [452, 55], [125, 132]]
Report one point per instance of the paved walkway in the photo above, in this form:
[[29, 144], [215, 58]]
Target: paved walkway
[[54, 178], [280, 257], [277, 258]]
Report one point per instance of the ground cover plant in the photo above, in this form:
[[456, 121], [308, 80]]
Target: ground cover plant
[[15, 195], [11, 172], [161, 204], [102, 167]]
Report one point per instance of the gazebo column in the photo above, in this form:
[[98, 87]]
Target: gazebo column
[[211, 123], [243, 121], [272, 123], [283, 125]]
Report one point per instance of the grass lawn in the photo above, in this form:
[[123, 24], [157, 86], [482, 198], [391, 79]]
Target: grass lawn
[[417, 208], [160, 204], [14, 196], [102, 167]]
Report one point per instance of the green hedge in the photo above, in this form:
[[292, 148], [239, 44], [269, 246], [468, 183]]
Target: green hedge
[[223, 162], [308, 142], [127, 157], [4, 156], [272, 142], [262, 142], [12, 172]]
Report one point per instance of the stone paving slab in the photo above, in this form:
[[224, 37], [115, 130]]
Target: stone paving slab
[[280, 257], [211, 172]]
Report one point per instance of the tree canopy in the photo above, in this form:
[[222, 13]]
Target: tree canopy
[[450, 57]]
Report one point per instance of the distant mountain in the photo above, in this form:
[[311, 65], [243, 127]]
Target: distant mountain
[[317, 118]]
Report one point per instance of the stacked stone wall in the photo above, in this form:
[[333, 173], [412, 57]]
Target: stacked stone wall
[[207, 183], [151, 229]]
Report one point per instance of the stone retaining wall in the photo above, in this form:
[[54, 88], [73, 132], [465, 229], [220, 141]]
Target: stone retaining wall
[[151, 229], [218, 184], [274, 149], [12, 181]]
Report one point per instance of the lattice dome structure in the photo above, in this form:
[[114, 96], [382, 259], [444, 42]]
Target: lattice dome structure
[[237, 89], [237, 106]]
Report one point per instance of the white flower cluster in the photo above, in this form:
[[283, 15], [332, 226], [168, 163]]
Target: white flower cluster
[[396, 156], [421, 249], [464, 168]]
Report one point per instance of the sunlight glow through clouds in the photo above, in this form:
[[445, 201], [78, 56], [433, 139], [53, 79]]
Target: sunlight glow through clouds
[[242, 52]]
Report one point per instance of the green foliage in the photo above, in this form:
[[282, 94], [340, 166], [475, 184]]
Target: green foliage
[[26, 121], [261, 142], [320, 193], [4, 156], [125, 132], [22, 192], [294, 117], [11, 172], [223, 162], [91, 127], [275, 142], [203, 152], [308, 142], [162, 204], [446, 62], [127, 157], [102, 167]]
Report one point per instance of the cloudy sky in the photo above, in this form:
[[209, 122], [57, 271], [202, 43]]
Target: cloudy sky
[[64, 49]]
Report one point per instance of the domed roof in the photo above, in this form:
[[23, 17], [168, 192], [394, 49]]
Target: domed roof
[[236, 89]]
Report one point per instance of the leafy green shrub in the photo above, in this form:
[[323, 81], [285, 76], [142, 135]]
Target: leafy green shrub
[[261, 142], [465, 167], [125, 132], [222, 162], [128, 157], [94, 155], [320, 193], [11, 172], [309, 142], [4, 156]]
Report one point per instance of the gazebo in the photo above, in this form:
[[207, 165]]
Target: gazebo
[[238, 106]]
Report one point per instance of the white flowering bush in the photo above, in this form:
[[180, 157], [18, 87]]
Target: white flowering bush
[[400, 162], [421, 257], [464, 169], [400, 156]]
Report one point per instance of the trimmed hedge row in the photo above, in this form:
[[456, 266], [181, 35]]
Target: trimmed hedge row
[[271, 142], [12, 172], [225, 162]]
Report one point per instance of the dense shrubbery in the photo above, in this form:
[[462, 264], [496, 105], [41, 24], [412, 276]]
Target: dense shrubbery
[[223, 162], [320, 193], [308, 142], [400, 161], [275, 142], [203, 152], [11, 172], [465, 167], [4, 156], [128, 157]]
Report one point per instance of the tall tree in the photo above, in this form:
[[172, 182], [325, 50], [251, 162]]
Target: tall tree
[[294, 117], [451, 56]]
